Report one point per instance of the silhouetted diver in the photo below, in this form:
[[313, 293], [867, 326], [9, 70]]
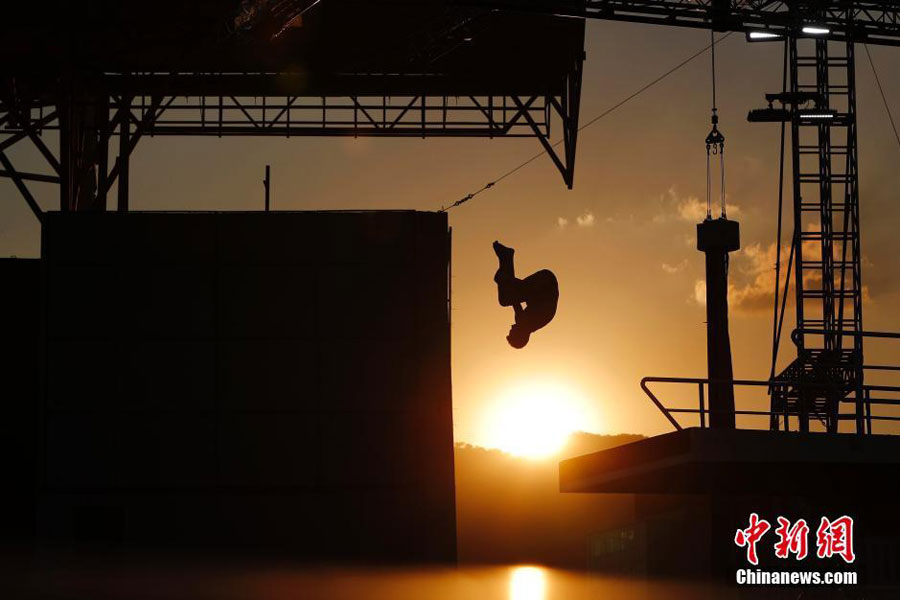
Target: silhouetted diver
[[539, 292]]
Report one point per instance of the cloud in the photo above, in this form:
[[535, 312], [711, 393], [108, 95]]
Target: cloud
[[585, 220], [754, 287], [752, 279], [700, 292], [691, 209], [751, 287], [687, 208], [676, 268]]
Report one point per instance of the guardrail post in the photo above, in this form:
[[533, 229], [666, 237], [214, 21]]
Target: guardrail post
[[702, 406]]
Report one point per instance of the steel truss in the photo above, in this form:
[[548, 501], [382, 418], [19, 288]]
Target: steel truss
[[872, 21], [828, 370], [98, 133]]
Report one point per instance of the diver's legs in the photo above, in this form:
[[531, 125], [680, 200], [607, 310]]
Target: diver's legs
[[505, 277]]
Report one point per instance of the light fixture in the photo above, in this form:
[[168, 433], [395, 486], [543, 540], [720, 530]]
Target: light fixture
[[758, 35], [816, 30], [817, 114]]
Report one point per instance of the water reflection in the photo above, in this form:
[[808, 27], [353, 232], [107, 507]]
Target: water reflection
[[101, 579], [527, 583]]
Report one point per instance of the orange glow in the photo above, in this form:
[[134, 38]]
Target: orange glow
[[534, 419], [527, 583]]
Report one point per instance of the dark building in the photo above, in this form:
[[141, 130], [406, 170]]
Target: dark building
[[19, 383], [695, 488], [272, 382]]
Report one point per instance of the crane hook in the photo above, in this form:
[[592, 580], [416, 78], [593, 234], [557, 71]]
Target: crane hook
[[715, 142]]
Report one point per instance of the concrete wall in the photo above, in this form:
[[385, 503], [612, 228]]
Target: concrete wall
[[258, 381]]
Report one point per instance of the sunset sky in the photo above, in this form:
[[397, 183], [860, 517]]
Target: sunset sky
[[622, 243]]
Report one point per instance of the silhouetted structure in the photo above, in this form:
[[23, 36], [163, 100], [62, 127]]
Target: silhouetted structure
[[107, 74], [716, 238], [539, 292], [696, 487], [271, 382], [19, 323]]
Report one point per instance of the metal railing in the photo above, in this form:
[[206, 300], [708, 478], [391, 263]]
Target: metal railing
[[867, 395], [703, 412]]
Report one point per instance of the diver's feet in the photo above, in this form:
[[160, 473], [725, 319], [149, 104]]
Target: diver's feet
[[500, 250]]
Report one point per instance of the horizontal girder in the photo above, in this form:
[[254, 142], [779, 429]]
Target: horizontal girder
[[871, 22]]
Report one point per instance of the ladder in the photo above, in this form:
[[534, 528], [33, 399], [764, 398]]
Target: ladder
[[827, 372]]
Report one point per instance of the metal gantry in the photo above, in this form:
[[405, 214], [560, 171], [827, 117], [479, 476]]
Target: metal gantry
[[100, 79], [872, 21], [91, 128], [828, 370]]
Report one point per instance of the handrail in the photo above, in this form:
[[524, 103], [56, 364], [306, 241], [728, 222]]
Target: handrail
[[795, 334], [700, 382], [703, 411], [658, 404]]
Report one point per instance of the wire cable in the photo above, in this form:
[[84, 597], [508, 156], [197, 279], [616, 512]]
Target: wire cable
[[715, 141], [712, 51], [883, 98], [775, 327], [608, 111]]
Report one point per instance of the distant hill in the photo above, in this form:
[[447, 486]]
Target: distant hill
[[582, 442], [510, 510]]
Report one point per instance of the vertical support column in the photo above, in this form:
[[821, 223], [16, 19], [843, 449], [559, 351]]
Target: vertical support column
[[64, 108], [267, 183], [825, 216], [103, 131], [86, 161], [828, 370], [716, 238], [82, 117], [851, 226], [572, 104], [799, 389], [124, 153]]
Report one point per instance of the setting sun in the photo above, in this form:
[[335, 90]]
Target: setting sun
[[534, 419]]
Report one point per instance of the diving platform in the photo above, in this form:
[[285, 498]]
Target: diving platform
[[736, 461]]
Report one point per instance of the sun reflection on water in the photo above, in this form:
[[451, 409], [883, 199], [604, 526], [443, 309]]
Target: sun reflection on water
[[177, 580], [527, 583]]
